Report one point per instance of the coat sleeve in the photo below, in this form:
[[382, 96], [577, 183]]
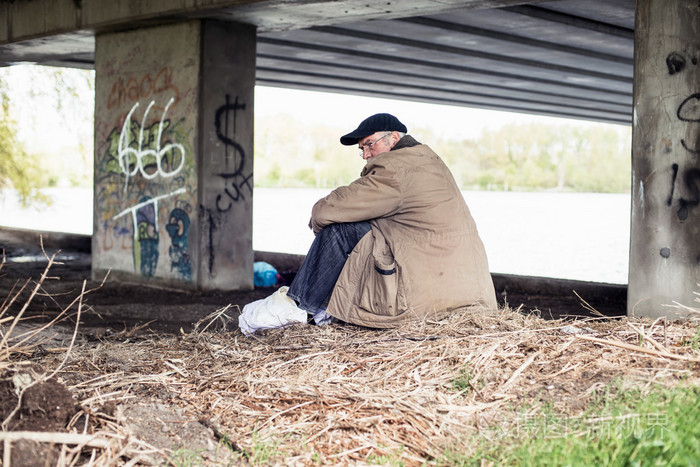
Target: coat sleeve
[[375, 194]]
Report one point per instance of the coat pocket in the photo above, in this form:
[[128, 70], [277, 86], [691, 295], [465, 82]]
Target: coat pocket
[[381, 292]]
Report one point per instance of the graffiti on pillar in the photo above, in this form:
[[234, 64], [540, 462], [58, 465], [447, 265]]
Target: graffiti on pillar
[[146, 241], [685, 183], [144, 217], [690, 182], [146, 154], [676, 62], [689, 111], [210, 219], [132, 89], [142, 157], [146, 125], [237, 183], [178, 227], [115, 237]]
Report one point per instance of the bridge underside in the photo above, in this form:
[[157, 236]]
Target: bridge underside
[[567, 58]]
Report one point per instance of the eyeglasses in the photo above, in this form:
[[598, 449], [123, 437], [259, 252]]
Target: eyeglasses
[[369, 146]]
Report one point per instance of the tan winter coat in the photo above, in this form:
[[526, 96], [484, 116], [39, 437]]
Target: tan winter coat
[[423, 254]]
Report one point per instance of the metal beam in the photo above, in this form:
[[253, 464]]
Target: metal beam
[[435, 47], [516, 40], [571, 21], [597, 116], [435, 65], [347, 71]]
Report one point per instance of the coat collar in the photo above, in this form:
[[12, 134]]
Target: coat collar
[[406, 142]]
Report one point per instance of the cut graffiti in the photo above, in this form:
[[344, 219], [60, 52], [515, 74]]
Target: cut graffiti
[[235, 180]]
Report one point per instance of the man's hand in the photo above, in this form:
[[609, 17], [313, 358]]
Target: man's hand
[[312, 228]]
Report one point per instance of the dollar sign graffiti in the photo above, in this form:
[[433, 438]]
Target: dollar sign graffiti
[[222, 132], [233, 188]]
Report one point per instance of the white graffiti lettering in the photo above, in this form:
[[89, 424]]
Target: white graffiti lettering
[[133, 209], [144, 156]]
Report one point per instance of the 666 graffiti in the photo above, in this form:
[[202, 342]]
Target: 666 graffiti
[[135, 159]]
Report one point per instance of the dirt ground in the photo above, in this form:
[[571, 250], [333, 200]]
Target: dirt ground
[[110, 309], [141, 381], [115, 306], [112, 306]]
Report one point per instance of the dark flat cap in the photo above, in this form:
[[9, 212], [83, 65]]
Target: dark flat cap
[[371, 125]]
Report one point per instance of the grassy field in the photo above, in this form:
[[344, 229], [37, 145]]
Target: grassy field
[[619, 427]]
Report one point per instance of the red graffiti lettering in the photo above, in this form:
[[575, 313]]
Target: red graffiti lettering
[[131, 90]]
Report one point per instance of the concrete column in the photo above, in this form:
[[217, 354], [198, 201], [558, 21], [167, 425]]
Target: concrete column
[[173, 155], [226, 156], [665, 230]]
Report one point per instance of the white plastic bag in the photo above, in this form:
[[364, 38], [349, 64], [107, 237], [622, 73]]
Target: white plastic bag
[[273, 311]]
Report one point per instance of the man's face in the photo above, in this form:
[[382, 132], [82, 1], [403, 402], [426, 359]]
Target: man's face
[[377, 143]]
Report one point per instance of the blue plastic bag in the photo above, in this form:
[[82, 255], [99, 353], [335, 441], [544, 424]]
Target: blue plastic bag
[[264, 274]]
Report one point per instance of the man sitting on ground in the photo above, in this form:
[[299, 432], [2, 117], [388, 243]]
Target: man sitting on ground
[[398, 243]]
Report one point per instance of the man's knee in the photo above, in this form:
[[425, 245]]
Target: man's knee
[[331, 229], [346, 234], [345, 230], [354, 228]]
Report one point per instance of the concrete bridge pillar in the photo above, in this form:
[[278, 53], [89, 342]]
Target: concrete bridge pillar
[[174, 155], [665, 230]]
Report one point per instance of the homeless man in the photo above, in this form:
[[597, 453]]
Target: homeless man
[[398, 243]]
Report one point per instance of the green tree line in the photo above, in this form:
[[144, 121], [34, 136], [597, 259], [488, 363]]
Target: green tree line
[[27, 167], [517, 157], [19, 170]]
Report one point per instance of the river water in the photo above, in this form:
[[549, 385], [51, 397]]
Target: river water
[[583, 236]]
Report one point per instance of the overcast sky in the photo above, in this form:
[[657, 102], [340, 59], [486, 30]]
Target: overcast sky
[[347, 111]]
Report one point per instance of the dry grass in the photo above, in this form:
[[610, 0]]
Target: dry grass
[[20, 338], [346, 395]]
